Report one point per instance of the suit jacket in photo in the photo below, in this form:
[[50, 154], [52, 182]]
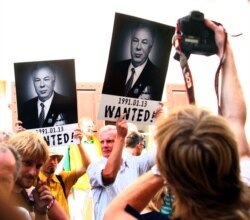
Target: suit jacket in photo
[[152, 80], [61, 108]]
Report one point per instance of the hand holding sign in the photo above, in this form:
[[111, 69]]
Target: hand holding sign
[[142, 68], [78, 134], [122, 126]]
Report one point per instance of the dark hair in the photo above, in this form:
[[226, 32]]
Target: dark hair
[[134, 138], [43, 64], [144, 24]]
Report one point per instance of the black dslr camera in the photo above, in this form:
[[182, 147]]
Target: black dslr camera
[[196, 37]]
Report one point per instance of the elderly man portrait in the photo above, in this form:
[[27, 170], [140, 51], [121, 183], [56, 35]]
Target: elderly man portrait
[[137, 64], [48, 108]]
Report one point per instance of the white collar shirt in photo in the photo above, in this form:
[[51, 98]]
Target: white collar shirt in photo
[[138, 71], [47, 104]]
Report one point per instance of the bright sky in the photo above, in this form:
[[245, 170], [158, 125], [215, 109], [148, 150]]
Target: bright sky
[[81, 30]]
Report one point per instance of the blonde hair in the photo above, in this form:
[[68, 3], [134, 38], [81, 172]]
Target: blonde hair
[[108, 128], [157, 201], [30, 144], [197, 154]]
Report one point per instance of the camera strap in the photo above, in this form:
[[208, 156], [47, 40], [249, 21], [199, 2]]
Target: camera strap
[[187, 75]]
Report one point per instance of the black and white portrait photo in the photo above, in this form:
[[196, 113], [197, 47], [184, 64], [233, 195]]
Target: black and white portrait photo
[[46, 93], [136, 69], [138, 58]]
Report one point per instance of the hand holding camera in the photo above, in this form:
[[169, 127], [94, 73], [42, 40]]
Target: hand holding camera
[[196, 35]]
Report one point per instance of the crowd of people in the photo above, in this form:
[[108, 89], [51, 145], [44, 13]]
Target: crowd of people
[[198, 168]]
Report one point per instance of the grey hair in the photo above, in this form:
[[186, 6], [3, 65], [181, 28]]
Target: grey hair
[[108, 128], [133, 139], [7, 147]]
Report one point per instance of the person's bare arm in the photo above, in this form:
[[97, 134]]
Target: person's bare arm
[[18, 126], [115, 159], [46, 207], [138, 195], [56, 212], [232, 100], [84, 156]]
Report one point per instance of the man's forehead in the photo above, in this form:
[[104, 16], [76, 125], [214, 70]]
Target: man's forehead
[[44, 72], [107, 134], [35, 160]]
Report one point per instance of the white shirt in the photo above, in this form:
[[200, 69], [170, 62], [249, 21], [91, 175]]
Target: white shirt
[[245, 170], [47, 104], [132, 167], [138, 71]]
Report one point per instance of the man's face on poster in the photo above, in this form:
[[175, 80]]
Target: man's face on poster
[[44, 83], [141, 45]]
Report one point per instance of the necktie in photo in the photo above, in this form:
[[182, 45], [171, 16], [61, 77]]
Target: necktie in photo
[[41, 116], [129, 83]]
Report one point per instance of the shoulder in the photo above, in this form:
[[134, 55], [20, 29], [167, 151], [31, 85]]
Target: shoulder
[[97, 165], [31, 102], [62, 100], [152, 66], [24, 213], [67, 174], [60, 97], [146, 156], [122, 64], [101, 161], [96, 141]]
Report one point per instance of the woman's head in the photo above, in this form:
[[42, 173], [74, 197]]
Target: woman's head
[[197, 154]]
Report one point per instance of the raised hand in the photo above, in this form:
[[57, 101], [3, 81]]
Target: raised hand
[[122, 126]]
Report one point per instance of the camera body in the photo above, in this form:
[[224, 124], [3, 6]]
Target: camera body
[[196, 37]]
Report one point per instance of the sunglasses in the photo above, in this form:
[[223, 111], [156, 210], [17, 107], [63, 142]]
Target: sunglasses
[[143, 144]]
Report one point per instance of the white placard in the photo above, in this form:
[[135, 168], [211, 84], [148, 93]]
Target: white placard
[[137, 110], [59, 135]]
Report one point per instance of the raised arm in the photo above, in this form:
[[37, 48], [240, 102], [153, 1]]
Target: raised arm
[[84, 156], [18, 126], [115, 159], [232, 100], [138, 195]]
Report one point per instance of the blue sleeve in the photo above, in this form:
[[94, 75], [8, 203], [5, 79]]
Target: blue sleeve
[[94, 172], [146, 161]]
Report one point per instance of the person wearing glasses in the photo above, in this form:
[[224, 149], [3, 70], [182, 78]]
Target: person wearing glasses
[[112, 173], [135, 144]]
